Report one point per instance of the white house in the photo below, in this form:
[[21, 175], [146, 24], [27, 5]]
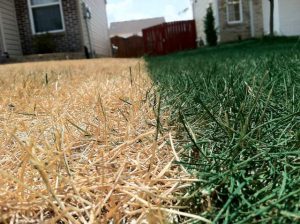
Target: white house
[[130, 28], [243, 19], [286, 17]]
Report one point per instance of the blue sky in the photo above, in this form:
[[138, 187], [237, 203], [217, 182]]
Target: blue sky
[[122, 10]]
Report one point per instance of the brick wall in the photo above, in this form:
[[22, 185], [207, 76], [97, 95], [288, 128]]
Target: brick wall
[[68, 41], [234, 32]]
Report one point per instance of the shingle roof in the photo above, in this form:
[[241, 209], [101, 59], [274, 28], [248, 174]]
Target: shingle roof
[[133, 27]]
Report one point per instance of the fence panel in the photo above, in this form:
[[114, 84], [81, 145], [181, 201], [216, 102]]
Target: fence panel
[[130, 47], [170, 37]]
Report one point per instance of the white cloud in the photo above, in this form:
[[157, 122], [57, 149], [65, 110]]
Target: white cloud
[[112, 7], [124, 10], [171, 14], [127, 10]]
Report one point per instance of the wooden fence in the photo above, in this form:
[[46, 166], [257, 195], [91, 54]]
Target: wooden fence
[[131, 47], [170, 37]]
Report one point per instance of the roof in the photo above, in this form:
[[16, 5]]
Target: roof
[[133, 27]]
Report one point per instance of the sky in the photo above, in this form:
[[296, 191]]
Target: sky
[[172, 10]]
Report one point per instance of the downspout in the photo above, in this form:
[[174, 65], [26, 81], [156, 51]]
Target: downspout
[[87, 16], [252, 18], [271, 18], [89, 36]]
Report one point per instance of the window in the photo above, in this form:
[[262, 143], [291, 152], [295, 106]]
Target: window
[[46, 16], [234, 11]]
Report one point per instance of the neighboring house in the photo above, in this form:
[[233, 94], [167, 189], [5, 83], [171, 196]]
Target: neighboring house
[[134, 27], [75, 26], [243, 19]]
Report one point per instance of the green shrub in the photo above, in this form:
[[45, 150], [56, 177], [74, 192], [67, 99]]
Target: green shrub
[[209, 25]]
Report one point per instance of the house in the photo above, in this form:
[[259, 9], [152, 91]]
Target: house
[[134, 27], [243, 19], [72, 26]]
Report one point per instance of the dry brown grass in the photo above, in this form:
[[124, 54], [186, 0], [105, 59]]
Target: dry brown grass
[[78, 145]]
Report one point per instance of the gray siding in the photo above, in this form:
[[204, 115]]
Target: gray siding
[[97, 26], [9, 29]]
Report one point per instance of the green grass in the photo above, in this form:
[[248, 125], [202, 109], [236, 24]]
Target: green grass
[[236, 110]]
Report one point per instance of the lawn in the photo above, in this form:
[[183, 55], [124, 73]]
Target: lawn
[[235, 115], [209, 135], [79, 143]]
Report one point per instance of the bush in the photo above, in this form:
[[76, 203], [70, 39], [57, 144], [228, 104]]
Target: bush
[[209, 25], [44, 43]]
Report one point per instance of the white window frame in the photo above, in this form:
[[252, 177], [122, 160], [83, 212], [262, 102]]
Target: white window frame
[[241, 13], [30, 7]]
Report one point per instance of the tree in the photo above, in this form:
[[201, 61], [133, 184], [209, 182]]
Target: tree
[[209, 27], [271, 18]]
